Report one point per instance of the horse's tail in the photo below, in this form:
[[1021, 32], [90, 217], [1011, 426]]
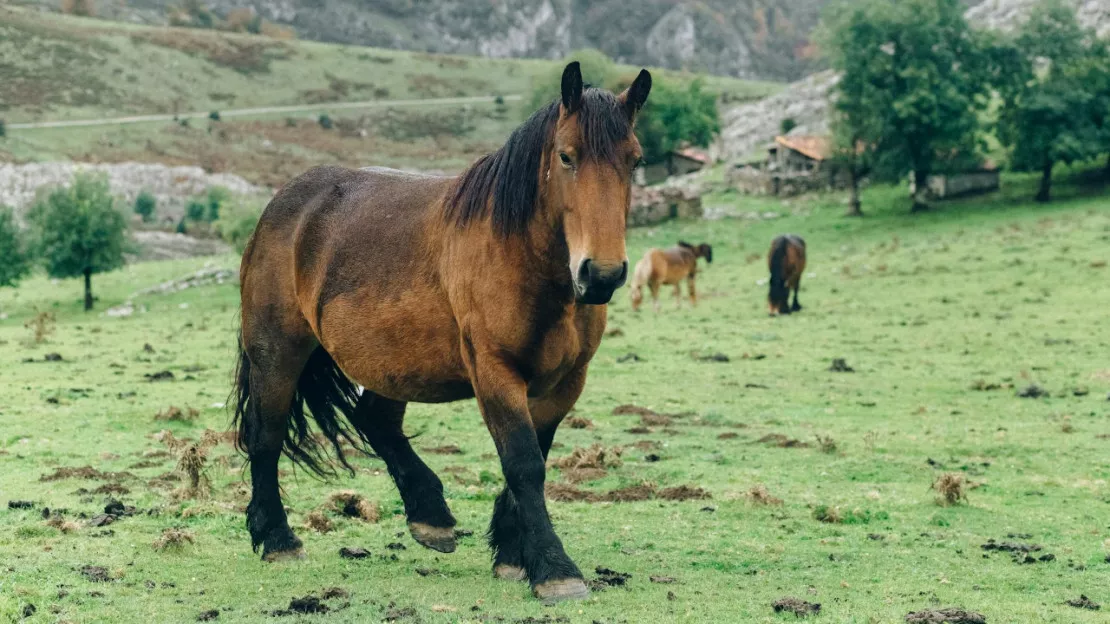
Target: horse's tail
[[328, 393]]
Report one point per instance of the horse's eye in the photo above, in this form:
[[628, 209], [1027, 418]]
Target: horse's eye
[[636, 165], [566, 159]]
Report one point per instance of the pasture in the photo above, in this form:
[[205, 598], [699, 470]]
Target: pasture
[[816, 481]]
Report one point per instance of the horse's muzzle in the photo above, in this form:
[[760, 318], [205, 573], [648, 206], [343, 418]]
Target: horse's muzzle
[[595, 283]]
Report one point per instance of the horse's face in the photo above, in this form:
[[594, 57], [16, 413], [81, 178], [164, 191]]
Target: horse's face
[[589, 180]]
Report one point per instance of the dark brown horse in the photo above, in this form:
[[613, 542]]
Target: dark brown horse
[[787, 261], [432, 289], [668, 267]]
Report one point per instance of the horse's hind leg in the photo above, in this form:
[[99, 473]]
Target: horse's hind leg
[[693, 291], [430, 521], [797, 286], [272, 373]]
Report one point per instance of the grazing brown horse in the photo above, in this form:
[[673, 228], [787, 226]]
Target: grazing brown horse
[[433, 289], [787, 261], [668, 266]]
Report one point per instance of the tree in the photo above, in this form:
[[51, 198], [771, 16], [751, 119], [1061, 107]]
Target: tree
[[675, 115], [786, 125], [14, 262], [145, 204], [77, 231], [914, 71], [1047, 116]]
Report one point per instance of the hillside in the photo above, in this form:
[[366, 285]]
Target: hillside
[[763, 39], [66, 68]]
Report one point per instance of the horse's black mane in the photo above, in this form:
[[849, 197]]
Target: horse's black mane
[[506, 182]]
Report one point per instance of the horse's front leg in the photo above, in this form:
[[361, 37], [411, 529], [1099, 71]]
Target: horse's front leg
[[505, 530], [503, 398]]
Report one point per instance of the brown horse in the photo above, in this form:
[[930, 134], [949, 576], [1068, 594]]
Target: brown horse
[[432, 289], [668, 266], [787, 261]]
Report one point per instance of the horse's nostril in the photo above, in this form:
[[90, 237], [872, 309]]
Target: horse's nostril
[[585, 272]]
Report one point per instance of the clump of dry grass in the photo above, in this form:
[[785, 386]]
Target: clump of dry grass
[[828, 514], [174, 539], [950, 489], [176, 414], [317, 521], [1066, 426], [63, 525], [354, 505], [192, 460], [827, 444], [595, 456], [759, 495]]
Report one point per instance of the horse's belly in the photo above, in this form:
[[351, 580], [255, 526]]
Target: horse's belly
[[402, 349]]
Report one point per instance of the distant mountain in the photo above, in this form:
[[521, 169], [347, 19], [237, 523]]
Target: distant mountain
[[767, 39]]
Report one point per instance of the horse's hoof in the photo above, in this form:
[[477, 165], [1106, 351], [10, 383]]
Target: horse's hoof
[[507, 572], [295, 554], [563, 589], [441, 539]]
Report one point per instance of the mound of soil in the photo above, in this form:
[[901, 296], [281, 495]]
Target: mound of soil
[[581, 475], [595, 457], [577, 422], [781, 441], [607, 578], [632, 410], [840, 365], [1083, 602], [945, 616], [209, 616], [354, 553], [18, 504], [85, 472], [450, 449], [306, 604], [1032, 391], [630, 494], [95, 574], [683, 492], [797, 606]]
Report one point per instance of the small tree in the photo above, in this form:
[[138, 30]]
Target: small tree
[[3, 129], [217, 196], [145, 204], [196, 209], [676, 115], [77, 231], [1046, 116], [14, 262], [786, 125]]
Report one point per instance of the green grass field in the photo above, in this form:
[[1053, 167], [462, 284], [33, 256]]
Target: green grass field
[[943, 316]]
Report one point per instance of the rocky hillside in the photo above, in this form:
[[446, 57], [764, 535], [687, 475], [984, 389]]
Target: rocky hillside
[[1006, 14], [767, 39]]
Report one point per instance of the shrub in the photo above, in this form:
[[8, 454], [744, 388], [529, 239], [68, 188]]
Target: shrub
[[217, 196], [786, 125], [145, 204], [3, 129], [214, 115], [325, 122], [195, 209], [14, 261]]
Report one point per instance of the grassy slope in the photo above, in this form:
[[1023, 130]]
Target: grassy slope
[[63, 67], [922, 307]]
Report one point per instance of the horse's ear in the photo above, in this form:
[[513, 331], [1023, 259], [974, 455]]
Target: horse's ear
[[572, 88], [635, 95]]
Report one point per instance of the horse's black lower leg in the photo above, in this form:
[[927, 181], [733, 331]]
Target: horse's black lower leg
[[796, 306], [430, 520], [263, 433], [505, 531], [552, 573]]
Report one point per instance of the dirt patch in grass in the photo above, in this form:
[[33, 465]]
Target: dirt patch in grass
[[607, 578], [648, 445], [655, 420], [174, 539], [1032, 391], [565, 493], [354, 505], [353, 552], [684, 492], [209, 616], [781, 441], [177, 414], [595, 457], [1083, 602], [300, 606], [797, 606], [95, 574], [759, 495], [950, 615], [85, 472], [20, 504], [577, 422], [317, 521], [631, 494], [449, 449], [840, 365], [581, 475]]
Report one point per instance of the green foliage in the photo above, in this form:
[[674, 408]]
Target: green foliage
[[145, 205], [217, 196], [1047, 77], [3, 129], [196, 209], [675, 115], [214, 115], [237, 222], [786, 125], [913, 85], [14, 261], [326, 122], [77, 230]]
